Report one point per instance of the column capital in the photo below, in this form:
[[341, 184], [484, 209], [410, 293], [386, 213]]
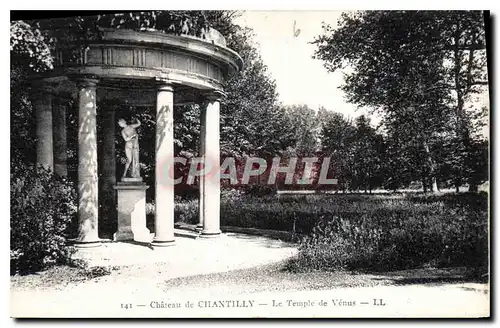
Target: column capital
[[214, 95], [163, 84], [62, 99], [86, 80], [43, 87]]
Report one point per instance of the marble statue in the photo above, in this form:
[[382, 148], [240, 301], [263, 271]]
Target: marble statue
[[129, 134]]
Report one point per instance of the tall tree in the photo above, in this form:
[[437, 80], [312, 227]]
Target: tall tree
[[253, 121], [401, 62], [337, 135], [29, 53], [368, 151], [303, 125], [464, 47], [464, 43]]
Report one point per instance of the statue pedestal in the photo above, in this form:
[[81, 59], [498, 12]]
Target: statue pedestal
[[132, 211]]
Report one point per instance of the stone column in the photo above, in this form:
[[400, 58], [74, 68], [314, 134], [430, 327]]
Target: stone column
[[87, 165], [211, 188], [59, 135], [201, 179], [164, 180], [44, 143], [108, 170], [108, 148]]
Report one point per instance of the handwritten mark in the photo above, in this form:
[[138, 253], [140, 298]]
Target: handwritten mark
[[296, 31]]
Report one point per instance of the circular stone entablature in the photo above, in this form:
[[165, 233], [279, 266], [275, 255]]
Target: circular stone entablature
[[139, 59]]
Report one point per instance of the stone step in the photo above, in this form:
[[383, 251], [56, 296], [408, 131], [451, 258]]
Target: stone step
[[185, 233], [187, 227]]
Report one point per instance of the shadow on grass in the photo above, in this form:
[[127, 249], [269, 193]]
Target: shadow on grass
[[435, 280], [434, 276], [138, 243], [272, 240]]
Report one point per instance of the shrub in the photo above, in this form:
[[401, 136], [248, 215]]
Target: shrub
[[150, 208], [42, 207], [231, 194], [108, 220], [187, 211], [423, 233], [259, 190]]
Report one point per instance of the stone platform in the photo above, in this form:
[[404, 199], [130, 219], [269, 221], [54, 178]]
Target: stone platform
[[131, 194]]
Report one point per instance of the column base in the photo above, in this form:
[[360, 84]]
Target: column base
[[211, 234], [123, 235], [140, 235], [131, 180], [88, 244], [163, 243]]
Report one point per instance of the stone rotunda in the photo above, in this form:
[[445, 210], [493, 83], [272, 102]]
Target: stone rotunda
[[145, 68]]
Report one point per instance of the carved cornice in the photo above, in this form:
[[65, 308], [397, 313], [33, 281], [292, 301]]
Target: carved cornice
[[214, 95], [85, 80], [163, 84], [199, 46], [140, 56]]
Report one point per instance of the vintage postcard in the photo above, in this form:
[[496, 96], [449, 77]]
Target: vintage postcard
[[250, 164]]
